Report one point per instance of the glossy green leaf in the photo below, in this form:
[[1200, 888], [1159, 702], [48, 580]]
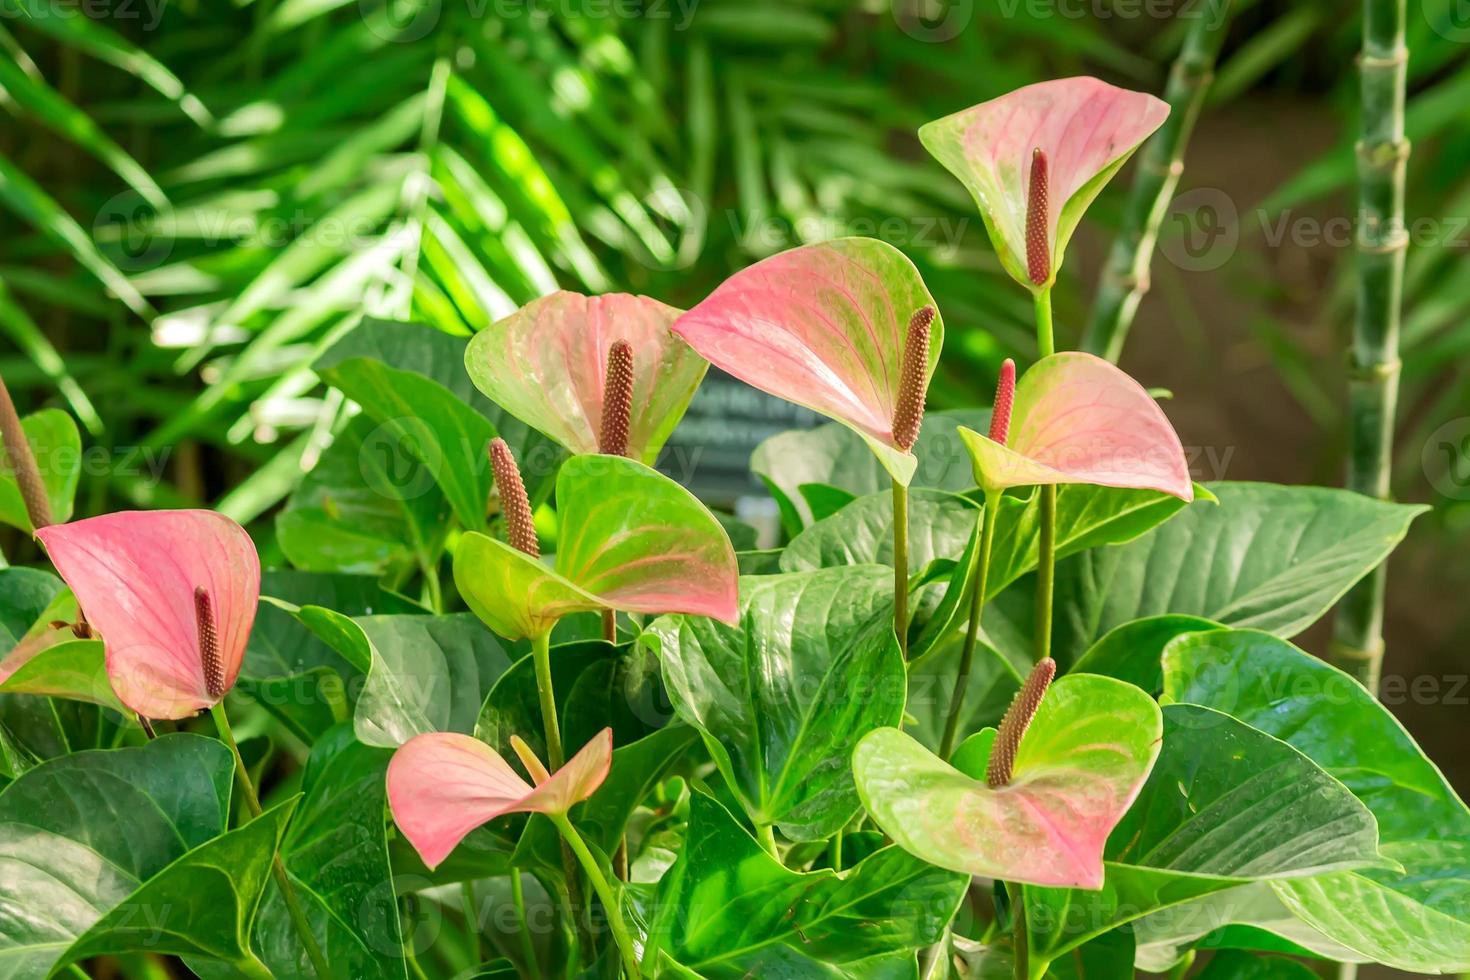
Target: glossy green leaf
[[1082, 761], [81, 833], [282, 644], [208, 899], [834, 456], [628, 538], [1234, 965], [428, 674], [1268, 557], [57, 447], [365, 507], [25, 596], [1134, 651], [336, 853], [1418, 920], [1224, 804], [727, 909], [70, 668], [782, 698]]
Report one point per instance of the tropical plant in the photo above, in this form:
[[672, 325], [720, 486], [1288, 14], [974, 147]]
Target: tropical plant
[[813, 760]]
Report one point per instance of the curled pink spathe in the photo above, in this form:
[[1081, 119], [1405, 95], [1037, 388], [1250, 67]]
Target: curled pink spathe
[[443, 785], [134, 574]]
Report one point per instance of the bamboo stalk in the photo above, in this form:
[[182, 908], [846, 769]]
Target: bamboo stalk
[[1373, 383], [1125, 278]]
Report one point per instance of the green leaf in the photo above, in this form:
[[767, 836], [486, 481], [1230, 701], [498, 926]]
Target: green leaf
[[336, 853], [628, 538], [25, 596], [1087, 751], [81, 833], [410, 379], [209, 898], [365, 507], [74, 669], [1224, 804], [428, 674], [1235, 965], [1418, 920], [833, 455], [1134, 651], [57, 446], [782, 698], [282, 644], [1268, 557], [727, 909]]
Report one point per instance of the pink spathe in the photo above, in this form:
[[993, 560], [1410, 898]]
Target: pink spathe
[[134, 574], [443, 785]]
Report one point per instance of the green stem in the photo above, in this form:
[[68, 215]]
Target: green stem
[[972, 635], [541, 655], [604, 892], [278, 869], [1383, 155], [530, 968], [901, 565], [1019, 945], [1046, 344], [472, 920], [766, 834], [1125, 279], [1046, 558], [837, 851]]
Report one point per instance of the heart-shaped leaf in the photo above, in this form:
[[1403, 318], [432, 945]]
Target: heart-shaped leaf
[[1417, 920], [1079, 766], [1086, 128], [120, 564], [823, 326], [628, 538], [1268, 557], [546, 364], [782, 698], [63, 848], [57, 447], [1224, 804], [1078, 419], [728, 910]]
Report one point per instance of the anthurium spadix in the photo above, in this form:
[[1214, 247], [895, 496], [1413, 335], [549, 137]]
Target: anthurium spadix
[[1054, 144], [628, 538], [548, 365], [826, 326], [443, 785], [173, 595], [1034, 803], [1078, 419]]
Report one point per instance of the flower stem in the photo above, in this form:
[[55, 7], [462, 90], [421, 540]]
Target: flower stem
[[1019, 945], [901, 566], [766, 834], [541, 656], [1383, 154], [529, 967], [977, 606], [1046, 558], [604, 892], [1125, 279], [278, 869]]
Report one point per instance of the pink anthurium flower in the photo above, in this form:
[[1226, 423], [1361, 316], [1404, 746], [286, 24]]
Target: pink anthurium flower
[[1078, 419], [548, 365], [827, 326], [173, 594], [442, 785], [1084, 130]]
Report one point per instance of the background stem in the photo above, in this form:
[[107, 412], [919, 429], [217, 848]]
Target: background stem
[[1125, 278], [1046, 548], [901, 565], [278, 869], [541, 657], [1018, 930], [977, 606], [530, 968], [1383, 153]]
